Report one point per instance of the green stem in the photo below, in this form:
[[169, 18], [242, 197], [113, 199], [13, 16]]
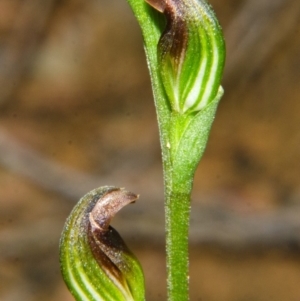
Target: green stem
[[184, 143], [185, 76], [177, 210]]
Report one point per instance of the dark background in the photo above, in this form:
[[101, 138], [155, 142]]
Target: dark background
[[76, 112]]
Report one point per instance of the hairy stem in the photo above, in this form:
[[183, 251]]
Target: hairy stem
[[177, 207]]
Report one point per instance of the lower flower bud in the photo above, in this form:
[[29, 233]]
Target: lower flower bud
[[96, 263]]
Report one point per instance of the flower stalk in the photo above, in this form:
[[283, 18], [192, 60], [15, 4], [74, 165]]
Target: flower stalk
[[185, 51]]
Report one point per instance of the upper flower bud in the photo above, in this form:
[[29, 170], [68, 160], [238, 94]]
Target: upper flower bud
[[191, 53]]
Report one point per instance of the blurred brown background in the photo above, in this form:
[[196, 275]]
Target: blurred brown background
[[76, 112]]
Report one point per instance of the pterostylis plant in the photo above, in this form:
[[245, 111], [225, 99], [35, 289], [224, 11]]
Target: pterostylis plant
[[185, 52]]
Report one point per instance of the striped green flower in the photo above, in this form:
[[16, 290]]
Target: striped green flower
[[95, 262], [191, 53]]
